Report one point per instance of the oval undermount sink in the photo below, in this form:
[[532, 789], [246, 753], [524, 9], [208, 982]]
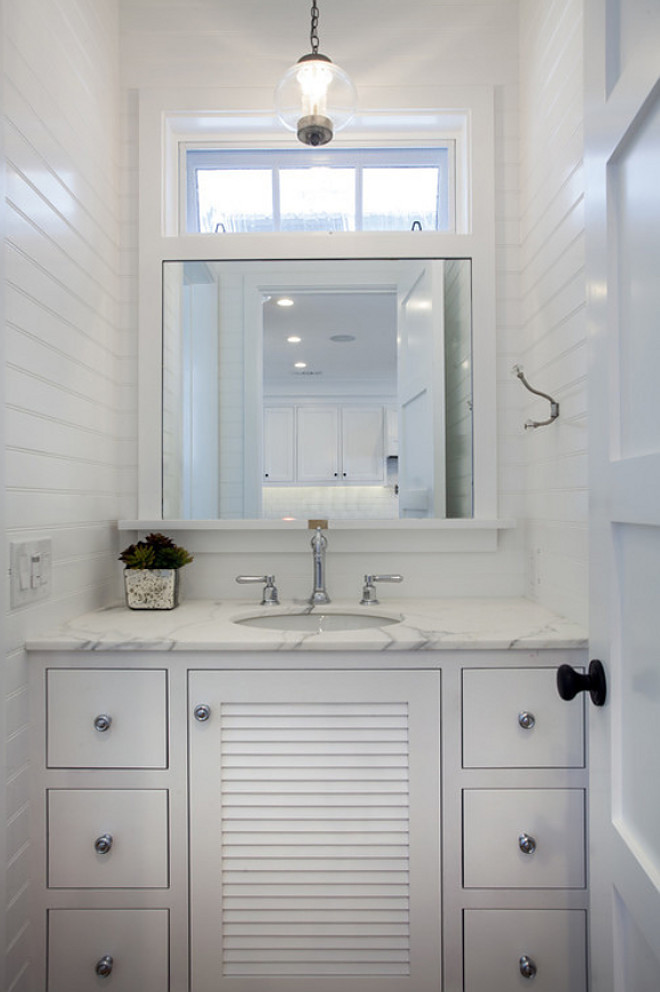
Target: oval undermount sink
[[317, 622]]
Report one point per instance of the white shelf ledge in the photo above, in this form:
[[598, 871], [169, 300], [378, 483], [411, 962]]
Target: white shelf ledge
[[347, 535]]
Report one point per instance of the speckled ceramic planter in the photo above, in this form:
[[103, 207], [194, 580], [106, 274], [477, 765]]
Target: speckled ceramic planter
[[151, 588]]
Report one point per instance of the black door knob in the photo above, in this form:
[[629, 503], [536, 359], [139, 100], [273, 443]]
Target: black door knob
[[570, 682]]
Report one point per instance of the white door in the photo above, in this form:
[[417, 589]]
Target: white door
[[362, 444], [317, 444], [314, 832], [279, 438], [421, 392], [623, 273]]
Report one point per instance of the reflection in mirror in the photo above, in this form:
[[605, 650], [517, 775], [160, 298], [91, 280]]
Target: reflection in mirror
[[317, 389]]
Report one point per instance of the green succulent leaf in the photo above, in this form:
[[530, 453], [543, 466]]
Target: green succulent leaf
[[156, 551]]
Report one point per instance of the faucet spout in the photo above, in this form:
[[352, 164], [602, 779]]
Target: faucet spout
[[319, 543]]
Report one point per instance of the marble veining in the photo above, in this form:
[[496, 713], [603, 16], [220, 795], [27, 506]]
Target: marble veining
[[425, 625]]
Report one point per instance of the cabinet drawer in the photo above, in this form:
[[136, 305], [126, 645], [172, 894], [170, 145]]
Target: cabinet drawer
[[132, 943], [79, 700], [514, 718], [506, 949], [523, 838], [107, 838]]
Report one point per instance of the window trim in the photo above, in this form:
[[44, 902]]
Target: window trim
[[182, 125], [167, 117]]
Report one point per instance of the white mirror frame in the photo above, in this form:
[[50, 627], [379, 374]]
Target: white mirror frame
[[168, 118]]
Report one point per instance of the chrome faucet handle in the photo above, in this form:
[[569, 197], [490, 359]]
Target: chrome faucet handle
[[369, 590], [269, 596]]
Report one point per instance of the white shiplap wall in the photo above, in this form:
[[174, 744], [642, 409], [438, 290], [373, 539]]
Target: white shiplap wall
[[245, 45], [3, 709], [553, 301], [62, 387]]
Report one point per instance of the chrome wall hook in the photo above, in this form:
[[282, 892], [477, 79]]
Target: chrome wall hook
[[554, 406]]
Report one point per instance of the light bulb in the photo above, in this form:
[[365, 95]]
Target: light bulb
[[315, 98], [314, 80]]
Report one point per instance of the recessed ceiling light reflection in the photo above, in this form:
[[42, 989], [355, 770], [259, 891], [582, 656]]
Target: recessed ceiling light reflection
[[284, 301], [300, 365], [294, 339]]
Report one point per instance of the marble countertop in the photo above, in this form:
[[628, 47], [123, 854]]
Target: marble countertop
[[422, 625]]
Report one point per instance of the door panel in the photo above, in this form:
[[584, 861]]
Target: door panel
[[636, 807], [623, 247], [635, 208], [363, 457], [279, 444], [318, 444], [315, 831]]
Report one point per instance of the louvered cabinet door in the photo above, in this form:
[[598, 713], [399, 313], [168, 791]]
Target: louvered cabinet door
[[314, 814]]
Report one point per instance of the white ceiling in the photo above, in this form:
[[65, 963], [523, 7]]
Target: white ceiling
[[315, 317]]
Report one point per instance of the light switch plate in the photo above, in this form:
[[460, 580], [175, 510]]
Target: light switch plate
[[30, 571]]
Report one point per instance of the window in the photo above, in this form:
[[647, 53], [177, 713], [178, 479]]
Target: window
[[360, 189]]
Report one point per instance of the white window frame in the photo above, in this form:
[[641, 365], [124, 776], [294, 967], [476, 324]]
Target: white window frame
[[168, 118], [346, 157]]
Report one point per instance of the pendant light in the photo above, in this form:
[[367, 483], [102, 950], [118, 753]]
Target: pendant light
[[315, 98]]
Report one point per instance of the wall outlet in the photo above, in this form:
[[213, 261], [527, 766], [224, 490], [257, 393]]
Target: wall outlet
[[30, 571]]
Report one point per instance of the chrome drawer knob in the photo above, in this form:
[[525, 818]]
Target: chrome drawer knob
[[102, 722], [202, 712], [103, 844], [527, 967], [526, 843], [526, 720], [104, 966]]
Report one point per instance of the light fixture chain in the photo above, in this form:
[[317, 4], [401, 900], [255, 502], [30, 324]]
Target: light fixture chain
[[314, 35]]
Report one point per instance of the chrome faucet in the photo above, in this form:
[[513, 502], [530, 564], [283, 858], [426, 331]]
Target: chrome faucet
[[319, 544]]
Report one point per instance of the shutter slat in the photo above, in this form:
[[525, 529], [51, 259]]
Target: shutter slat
[[315, 864], [292, 889], [271, 969], [344, 836], [320, 878], [305, 760], [315, 839], [314, 773], [319, 916]]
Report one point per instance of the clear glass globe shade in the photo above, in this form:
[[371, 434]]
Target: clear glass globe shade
[[315, 87]]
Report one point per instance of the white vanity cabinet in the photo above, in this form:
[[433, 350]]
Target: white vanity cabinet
[[352, 821]]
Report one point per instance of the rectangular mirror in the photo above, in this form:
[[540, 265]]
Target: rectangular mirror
[[337, 389]]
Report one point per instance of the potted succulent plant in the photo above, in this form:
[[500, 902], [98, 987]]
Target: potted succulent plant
[[151, 573]]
